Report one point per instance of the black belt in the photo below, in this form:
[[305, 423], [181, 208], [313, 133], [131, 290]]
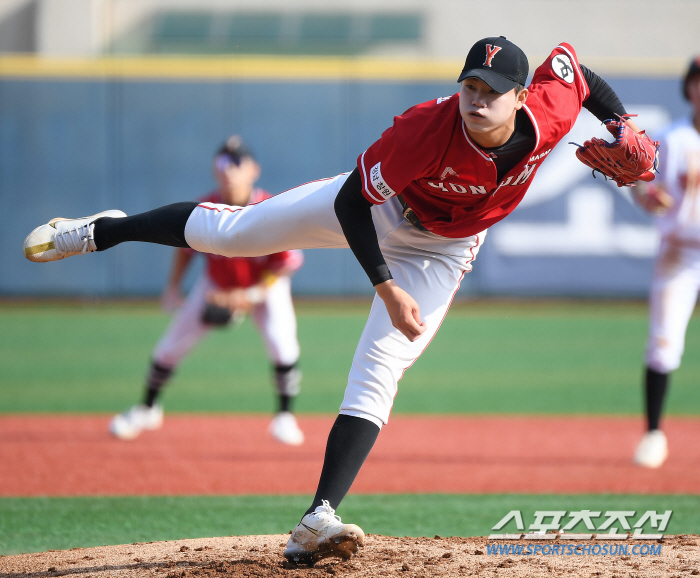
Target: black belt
[[409, 215]]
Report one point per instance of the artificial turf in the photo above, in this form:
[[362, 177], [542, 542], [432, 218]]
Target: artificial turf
[[488, 357], [40, 524]]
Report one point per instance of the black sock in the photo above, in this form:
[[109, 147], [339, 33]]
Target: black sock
[[349, 444], [655, 389], [164, 226], [285, 402], [158, 375], [287, 380]]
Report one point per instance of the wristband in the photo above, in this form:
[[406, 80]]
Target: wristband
[[268, 278]]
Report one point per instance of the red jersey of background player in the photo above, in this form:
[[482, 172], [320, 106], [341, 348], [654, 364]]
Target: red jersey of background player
[[243, 272], [448, 181]]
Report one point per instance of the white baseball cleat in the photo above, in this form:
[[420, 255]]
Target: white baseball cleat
[[284, 428], [61, 238], [652, 451], [321, 534], [131, 423]]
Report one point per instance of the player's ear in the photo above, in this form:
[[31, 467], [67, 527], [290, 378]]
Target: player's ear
[[520, 97]]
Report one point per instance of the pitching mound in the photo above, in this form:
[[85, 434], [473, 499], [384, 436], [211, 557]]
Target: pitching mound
[[261, 556]]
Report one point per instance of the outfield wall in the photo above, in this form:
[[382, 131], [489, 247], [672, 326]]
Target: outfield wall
[[78, 140]]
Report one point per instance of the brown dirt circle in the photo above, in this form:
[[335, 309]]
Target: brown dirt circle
[[261, 556]]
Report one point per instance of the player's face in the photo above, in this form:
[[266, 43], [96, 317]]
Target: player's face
[[489, 115], [236, 180]]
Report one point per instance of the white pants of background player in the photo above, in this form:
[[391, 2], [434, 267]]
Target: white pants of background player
[[274, 318], [674, 292], [427, 266]]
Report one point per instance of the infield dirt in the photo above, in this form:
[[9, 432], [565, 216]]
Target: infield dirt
[[261, 556]]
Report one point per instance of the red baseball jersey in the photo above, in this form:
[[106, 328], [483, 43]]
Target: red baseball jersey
[[448, 181], [232, 272]]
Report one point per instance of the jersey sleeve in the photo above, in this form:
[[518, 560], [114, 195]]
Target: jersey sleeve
[[560, 88], [405, 151]]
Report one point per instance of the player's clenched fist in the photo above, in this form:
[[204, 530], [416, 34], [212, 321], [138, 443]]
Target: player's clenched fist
[[402, 308]]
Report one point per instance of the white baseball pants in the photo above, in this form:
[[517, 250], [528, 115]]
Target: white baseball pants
[[427, 266], [274, 318], [674, 292]]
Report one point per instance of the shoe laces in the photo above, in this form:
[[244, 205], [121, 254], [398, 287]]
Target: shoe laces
[[74, 240], [326, 510]]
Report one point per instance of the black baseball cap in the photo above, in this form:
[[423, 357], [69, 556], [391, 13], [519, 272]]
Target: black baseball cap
[[498, 62], [235, 149], [693, 70]]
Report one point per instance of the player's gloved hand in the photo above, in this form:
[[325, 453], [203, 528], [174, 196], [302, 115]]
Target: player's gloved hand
[[216, 316], [171, 298], [631, 157], [654, 200], [402, 308]]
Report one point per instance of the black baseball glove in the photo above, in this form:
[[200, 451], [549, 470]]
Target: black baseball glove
[[216, 316]]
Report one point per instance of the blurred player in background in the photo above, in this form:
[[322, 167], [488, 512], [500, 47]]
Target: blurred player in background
[[224, 293], [674, 201]]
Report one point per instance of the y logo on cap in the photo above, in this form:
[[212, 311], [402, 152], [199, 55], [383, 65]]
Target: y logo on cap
[[491, 50]]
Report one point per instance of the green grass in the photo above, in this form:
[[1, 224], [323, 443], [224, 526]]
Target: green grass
[[488, 357], [40, 524]]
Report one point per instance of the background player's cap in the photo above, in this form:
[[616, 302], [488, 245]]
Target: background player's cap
[[693, 70], [232, 151], [498, 62]]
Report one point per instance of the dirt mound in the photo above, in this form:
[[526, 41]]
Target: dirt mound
[[261, 556]]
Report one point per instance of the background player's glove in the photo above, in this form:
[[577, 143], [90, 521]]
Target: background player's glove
[[654, 200], [631, 157], [216, 315]]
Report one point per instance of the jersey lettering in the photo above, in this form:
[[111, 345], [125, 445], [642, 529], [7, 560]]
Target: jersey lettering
[[539, 156], [440, 186], [525, 175], [473, 189], [378, 182], [448, 171], [491, 51], [443, 99]]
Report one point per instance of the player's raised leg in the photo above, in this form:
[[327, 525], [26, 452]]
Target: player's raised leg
[[300, 218]]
